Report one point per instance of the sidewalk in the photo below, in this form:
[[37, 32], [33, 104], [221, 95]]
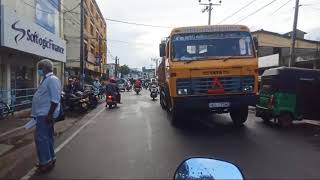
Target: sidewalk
[[17, 143]]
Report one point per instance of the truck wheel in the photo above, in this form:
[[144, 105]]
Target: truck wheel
[[175, 118], [239, 115], [161, 101], [285, 120]]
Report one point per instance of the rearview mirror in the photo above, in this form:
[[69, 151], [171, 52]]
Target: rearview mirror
[[162, 48], [209, 169]]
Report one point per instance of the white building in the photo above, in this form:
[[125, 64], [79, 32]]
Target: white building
[[31, 30]]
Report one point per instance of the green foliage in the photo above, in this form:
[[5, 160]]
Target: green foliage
[[124, 70]]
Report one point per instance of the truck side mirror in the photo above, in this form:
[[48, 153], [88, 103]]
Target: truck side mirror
[[162, 48], [256, 43]]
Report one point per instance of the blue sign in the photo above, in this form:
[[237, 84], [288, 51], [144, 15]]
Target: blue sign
[[47, 14]]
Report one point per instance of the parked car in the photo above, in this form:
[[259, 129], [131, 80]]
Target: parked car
[[121, 84]]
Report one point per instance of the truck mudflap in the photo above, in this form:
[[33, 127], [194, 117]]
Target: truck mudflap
[[218, 103]]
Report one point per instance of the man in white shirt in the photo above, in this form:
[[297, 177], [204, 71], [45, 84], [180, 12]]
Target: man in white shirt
[[45, 108]]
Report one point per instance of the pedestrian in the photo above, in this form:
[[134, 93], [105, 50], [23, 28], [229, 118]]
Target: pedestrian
[[45, 108]]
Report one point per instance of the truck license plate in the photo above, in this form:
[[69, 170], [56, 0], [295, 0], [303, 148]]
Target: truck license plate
[[219, 105]]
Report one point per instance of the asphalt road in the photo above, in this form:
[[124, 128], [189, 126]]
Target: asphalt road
[[137, 141]]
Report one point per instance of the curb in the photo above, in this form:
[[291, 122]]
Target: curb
[[11, 131]]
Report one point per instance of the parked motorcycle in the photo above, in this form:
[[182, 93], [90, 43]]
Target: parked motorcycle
[[153, 92], [111, 101], [75, 102], [93, 94]]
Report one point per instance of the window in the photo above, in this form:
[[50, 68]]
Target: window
[[92, 49], [91, 29], [91, 7], [196, 46], [85, 20]]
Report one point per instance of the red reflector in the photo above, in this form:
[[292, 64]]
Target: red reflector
[[173, 74], [216, 91], [110, 97]]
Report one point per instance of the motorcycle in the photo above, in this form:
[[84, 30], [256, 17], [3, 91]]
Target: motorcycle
[[77, 101], [111, 101], [210, 169], [137, 90], [128, 87], [153, 92], [93, 98]]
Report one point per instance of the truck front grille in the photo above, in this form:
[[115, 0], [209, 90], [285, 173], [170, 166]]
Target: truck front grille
[[235, 84]]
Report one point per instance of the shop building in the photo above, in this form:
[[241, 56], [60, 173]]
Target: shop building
[[31, 30], [273, 44], [95, 59]]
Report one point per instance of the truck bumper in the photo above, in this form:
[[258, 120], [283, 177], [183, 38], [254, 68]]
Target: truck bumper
[[202, 102]]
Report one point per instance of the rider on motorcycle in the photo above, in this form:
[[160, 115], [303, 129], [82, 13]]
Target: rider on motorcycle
[[113, 90], [97, 87], [137, 83], [153, 84], [70, 88]]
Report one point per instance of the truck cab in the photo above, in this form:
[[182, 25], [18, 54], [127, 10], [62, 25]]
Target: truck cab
[[208, 68]]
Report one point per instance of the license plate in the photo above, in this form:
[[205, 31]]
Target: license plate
[[219, 105], [109, 100]]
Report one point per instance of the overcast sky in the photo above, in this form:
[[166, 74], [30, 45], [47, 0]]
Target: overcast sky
[[139, 44]]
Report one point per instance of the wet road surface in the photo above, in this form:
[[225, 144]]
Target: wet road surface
[[137, 141]]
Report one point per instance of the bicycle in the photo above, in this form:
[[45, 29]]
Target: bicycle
[[5, 110]]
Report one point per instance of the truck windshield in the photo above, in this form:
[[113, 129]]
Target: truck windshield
[[218, 45]]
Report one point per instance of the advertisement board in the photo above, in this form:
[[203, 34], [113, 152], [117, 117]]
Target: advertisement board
[[24, 35], [47, 14]]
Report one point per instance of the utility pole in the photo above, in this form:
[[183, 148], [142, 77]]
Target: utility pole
[[294, 35], [116, 67], [157, 62], [82, 65], [209, 8]]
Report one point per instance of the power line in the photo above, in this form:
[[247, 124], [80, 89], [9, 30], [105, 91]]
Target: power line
[[71, 10], [256, 11], [236, 12], [280, 7], [137, 24], [38, 8]]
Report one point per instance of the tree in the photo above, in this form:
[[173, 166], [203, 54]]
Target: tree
[[124, 70]]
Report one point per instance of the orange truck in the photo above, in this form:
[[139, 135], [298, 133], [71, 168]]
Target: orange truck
[[208, 68]]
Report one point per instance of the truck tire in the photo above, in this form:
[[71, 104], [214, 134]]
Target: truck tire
[[239, 115], [163, 106], [175, 118]]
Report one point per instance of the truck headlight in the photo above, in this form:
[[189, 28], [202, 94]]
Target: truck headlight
[[248, 88], [182, 91]]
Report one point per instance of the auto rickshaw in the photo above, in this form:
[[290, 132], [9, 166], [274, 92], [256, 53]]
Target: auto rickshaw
[[289, 94]]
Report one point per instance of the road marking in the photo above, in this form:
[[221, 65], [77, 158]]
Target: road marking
[[33, 170], [149, 139]]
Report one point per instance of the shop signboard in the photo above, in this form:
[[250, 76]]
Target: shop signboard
[[27, 36]]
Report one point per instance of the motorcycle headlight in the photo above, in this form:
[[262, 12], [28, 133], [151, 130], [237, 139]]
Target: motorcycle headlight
[[182, 91]]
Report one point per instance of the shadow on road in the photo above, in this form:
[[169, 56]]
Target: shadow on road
[[209, 125]]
